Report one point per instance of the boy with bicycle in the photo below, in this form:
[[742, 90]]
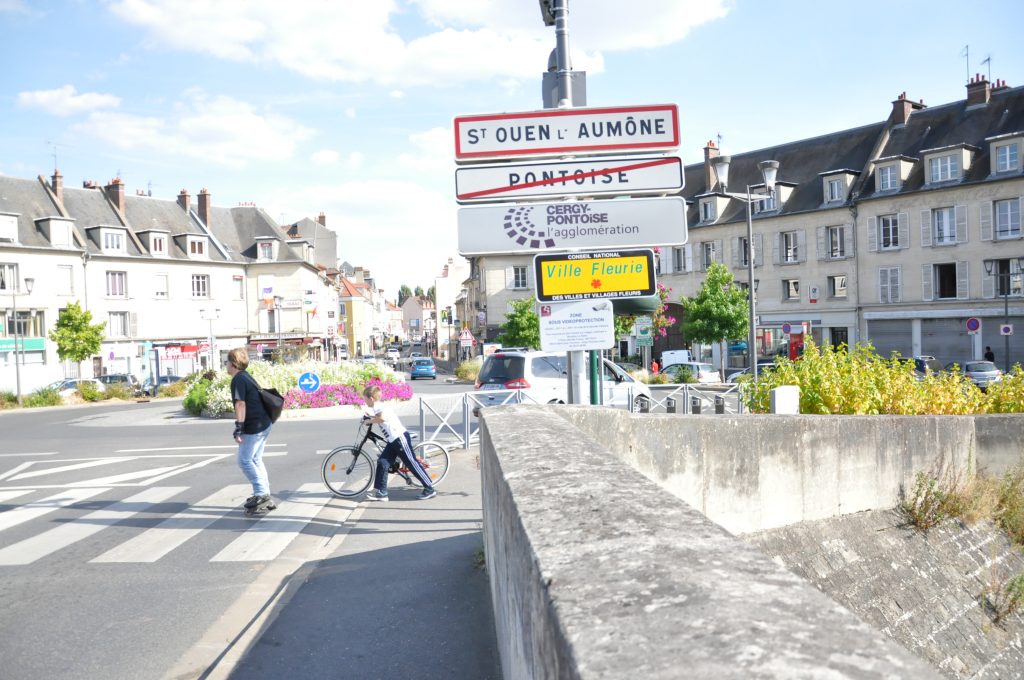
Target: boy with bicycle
[[399, 445]]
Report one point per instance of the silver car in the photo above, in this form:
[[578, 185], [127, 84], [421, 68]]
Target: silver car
[[981, 373]]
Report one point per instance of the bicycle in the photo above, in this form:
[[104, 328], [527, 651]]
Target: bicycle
[[348, 470]]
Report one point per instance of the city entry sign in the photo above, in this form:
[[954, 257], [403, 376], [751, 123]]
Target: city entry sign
[[585, 177], [551, 227], [561, 132], [586, 276]]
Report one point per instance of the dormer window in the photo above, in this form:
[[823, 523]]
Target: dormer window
[[56, 230], [112, 241], [943, 169], [8, 227], [158, 245], [707, 211], [1007, 157], [947, 164], [888, 178], [835, 191], [767, 204], [197, 247], [265, 251]]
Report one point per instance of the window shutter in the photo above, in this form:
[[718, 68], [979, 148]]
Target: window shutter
[[688, 258], [926, 228], [821, 243], [894, 284], [848, 238], [961, 223], [988, 286], [926, 282], [133, 325], [666, 260], [719, 251], [735, 252], [883, 285], [963, 283], [872, 230], [510, 277], [801, 246], [759, 250], [776, 247], [903, 225], [698, 266], [985, 221]]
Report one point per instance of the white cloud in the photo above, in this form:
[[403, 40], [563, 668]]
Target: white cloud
[[359, 41], [432, 152], [325, 157], [14, 7], [66, 101], [220, 130], [350, 112], [396, 94], [355, 160]]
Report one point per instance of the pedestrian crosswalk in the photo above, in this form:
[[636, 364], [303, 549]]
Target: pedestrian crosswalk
[[56, 522]]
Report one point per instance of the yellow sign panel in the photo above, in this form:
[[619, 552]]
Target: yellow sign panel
[[583, 276]]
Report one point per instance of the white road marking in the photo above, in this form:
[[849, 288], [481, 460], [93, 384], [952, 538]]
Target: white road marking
[[272, 534], [130, 476], [9, 494], [66, 468], [45, 506], [152, 544], [48, 542], [20, 455], [187, 448]]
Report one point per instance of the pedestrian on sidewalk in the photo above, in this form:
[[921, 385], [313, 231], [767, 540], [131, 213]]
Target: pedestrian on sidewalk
[[252, 428], [990, 355], [399, 445], [654, 367]]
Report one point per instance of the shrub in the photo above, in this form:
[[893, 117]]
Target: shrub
[[118, 391], [8, 399], [1010, 511], [469, 370], [44, 396], [196, 399], [1007, 395], [929, 504], [177, 389], [683, 374], [89, 392]]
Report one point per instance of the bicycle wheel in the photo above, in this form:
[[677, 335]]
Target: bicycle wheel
[[347, 471], [434, 459]]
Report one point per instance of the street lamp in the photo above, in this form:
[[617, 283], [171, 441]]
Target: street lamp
[[769, 171], [211, 315], [29, 283], [277, 321], [994, 268]]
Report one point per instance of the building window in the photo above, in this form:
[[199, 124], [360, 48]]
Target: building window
[[678, 260], [159, 245], [65, 281], [519, 277], [707, 211], [160, 286], [837, 286], [944, 225], [113, 242], [117, 284], [790, 289], [744, 245], [945, 281], [117, 325], [27, 324], [200, 286], [265, 251], [1007, 218], [889, 232], [888, 178], [9, 228], [889, 285], [9, 282], [836, 243], [708, 253], [835, 190], [766, 204], [943, 168], [196, 247], [239, 282], [1009, 278], [1006, 157], [790, 247]]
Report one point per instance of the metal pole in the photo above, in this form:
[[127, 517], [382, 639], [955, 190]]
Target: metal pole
[[561, 12], [1006, 320], [17, 368], [595, 392], [752, 336]]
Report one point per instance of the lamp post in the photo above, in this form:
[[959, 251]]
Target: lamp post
[[769, 171], [211, 315], [277, 322], [29, 283], [992, 268]]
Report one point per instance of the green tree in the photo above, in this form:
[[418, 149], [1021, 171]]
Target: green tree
[[418, 291], [404, 293], [522, 325], [718, 312], [432, 294], [76, 336]]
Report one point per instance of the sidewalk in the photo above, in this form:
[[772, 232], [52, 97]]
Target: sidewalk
[[402, 596]]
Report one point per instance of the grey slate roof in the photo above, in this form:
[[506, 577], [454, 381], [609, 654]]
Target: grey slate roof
[[29, 199], [237, 228]]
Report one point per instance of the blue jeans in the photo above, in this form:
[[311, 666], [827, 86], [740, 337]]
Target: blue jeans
[[250, 460]]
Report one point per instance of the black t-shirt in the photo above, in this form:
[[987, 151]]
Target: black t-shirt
[[244, 388]]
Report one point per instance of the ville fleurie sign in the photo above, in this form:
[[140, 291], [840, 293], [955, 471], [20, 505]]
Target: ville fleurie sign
[[605, 177], [572, 225], [587, 276], [562, 132]]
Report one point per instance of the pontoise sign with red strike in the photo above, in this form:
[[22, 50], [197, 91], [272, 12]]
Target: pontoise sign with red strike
[[559, 132]]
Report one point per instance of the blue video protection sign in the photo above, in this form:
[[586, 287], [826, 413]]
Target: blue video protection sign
[[309, 382]]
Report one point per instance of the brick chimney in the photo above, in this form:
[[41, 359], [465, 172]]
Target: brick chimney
[[184, 200], [322, 219], [978, 91], [57, 184], [710, 151], [204, 206], [115, 192], [902, 108], [998, 85]]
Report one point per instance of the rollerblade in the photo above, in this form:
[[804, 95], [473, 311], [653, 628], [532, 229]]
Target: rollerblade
[[256, 506]]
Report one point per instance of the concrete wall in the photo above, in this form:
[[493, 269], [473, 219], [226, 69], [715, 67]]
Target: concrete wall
[[597, 573]]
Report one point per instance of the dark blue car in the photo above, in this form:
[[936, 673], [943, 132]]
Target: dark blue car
[[423, 368]]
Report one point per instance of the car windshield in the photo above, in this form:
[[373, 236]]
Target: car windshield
[[980, 367], [501, 368], [422, 362]]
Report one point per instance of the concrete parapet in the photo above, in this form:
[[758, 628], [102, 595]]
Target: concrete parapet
[[596, 573]]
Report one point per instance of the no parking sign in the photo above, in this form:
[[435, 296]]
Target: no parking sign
[[973, 325]]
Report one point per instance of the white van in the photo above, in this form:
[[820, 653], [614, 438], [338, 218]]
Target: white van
[[676, 356]]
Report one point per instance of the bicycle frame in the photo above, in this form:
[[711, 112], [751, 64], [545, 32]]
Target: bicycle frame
[[397, 468]]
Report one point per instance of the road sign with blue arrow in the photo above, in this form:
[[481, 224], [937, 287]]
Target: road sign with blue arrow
[[309, 382]]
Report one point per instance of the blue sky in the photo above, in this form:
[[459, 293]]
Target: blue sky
[[346, 106]]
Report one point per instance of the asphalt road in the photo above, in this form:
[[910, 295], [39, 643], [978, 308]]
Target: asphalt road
[[124, 554]]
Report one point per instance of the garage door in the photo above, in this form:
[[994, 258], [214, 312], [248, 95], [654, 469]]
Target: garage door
[[891, 335], [946, 340]]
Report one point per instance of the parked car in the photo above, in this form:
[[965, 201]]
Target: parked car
[[393, 353], [926, 365], [423, 367], [981, 373], [150, 389], [367, 359], [542, 376], [129, 381], [343, 354], [70, 386], [762, 368], [701, 372]]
